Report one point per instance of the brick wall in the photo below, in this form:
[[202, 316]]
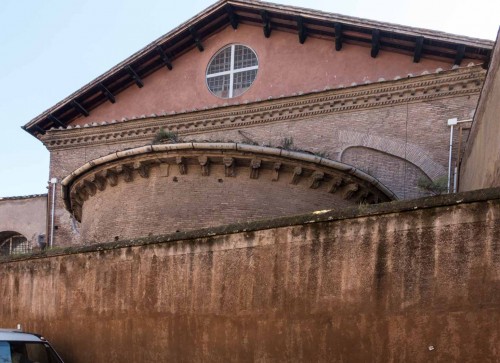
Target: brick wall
[[415, 131], [167, 201], [397, 174]]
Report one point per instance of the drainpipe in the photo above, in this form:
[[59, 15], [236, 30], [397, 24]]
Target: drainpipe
[[53, 181], [455, 180], [452, 122]]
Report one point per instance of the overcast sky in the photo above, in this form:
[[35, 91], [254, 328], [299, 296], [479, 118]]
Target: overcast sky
[[50, 48]]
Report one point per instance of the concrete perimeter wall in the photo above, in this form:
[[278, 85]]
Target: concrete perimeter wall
[[413, 281]]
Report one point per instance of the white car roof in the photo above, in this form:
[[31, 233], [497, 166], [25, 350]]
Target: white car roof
[[17, 336]]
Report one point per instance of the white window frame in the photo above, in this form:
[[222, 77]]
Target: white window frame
[[231, 70]]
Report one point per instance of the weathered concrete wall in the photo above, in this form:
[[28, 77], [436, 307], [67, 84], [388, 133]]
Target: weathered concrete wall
[[25, 215], [399, 282], [481, 163]]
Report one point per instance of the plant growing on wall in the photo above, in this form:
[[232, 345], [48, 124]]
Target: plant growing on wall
[[435, 187], [165, 137], [287, 144]]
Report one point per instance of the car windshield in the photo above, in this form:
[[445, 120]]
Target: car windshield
[[27, 352]]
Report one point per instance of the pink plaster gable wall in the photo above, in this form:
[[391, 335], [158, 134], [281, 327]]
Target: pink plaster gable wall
[[285, 67]]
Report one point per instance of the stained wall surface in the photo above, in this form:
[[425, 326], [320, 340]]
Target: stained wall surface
[[414, 281], [481, 163]]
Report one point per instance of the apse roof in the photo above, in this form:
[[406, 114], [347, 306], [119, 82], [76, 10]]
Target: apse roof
[[379, 36]]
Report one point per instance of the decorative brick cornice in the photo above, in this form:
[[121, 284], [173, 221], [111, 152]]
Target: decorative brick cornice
[[237, 160], [457, 82]]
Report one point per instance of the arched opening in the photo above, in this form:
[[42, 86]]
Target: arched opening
[[400, 175], [12, 243]]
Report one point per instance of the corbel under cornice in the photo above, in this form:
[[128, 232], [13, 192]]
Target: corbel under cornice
[[124, 166]]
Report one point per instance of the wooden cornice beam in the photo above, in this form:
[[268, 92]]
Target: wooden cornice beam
[[375, 42], [302, 29], [107, 93], [39, 129], [163, 56], [55, 121], [266, 22], [233, 18], [79, 108], [419, 46], [338, 36], [486, 63], [460, 54], [196, 38], [135, 76]]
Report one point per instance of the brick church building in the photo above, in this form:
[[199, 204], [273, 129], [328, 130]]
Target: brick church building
[[252, 112], [272, 110]]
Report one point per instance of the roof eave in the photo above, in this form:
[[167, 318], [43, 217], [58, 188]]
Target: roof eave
[[36, 124]]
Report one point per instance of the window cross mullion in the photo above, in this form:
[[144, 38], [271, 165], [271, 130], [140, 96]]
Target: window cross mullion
[[231, 74], [218, 74]]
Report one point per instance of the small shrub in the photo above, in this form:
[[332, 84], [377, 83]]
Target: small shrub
[[163, 137], [436, 187], [287, 143], [322, 154]]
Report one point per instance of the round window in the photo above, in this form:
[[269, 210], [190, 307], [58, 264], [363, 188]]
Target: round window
[[232, 71]]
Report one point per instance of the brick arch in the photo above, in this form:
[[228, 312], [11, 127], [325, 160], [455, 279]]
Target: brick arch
[[9, 229], [406, 151], [398, 174]]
